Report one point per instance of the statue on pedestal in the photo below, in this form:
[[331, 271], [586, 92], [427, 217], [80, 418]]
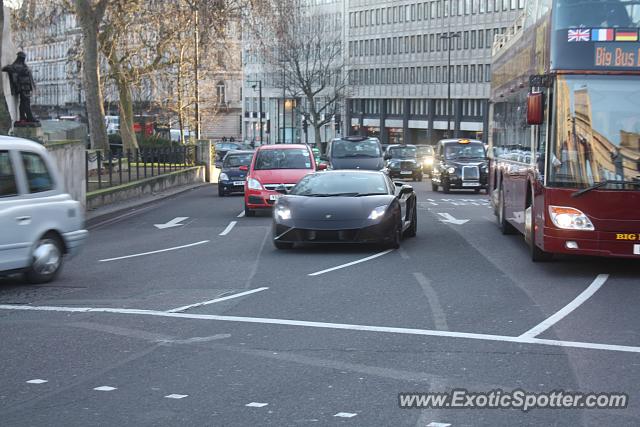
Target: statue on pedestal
[[22, 85]]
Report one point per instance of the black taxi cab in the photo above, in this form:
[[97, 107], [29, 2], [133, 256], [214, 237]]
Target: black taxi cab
[[460, 164]]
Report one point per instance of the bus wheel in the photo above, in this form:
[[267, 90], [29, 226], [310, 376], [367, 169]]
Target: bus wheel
[[537, 254], [505, 226]]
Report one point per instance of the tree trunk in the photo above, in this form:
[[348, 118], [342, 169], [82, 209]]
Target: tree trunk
[[5, 117], [127, 133], [89, 17]]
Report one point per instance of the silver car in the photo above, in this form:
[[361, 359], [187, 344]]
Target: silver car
[[39, 222]]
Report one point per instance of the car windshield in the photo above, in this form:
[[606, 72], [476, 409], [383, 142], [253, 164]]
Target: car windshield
[[596, 131], [344, 183], [236, 160], [403, 152], [286, 158], [227, 146], [342, 149], [596, 13], [425, 150], [467, 151]]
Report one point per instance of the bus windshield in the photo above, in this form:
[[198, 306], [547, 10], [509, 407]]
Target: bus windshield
[[597, 14], [597, 131]]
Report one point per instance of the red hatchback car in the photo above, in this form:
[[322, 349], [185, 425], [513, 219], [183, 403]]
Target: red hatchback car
[[274, 170]]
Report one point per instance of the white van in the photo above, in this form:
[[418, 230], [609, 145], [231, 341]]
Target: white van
[[39, 222]]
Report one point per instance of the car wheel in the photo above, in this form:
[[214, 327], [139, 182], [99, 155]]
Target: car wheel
[[396, 237], [537, 254], [220, 191], [282, 245], [46, 260], [446, 188], [413, 227], [505, 226], [420, 178], [434, 186], [249, 212], [477, 191]]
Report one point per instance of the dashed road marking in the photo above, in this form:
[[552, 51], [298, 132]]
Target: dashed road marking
[[105, 388], [37, 381], [436, 424], [213, 301], [176, 396], [345, 415], [256, 405], [349, 264], [241, 214], [175, 248], [229, 228]]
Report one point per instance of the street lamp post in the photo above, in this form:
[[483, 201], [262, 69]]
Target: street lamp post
[[259, 84], [448, 37]]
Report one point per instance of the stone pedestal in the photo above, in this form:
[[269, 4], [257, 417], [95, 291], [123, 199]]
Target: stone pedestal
[[34, 133]]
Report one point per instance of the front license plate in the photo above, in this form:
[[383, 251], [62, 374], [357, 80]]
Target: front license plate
[[238, 182], [274, 196], [406, 173], [636, 249], [471, 184]]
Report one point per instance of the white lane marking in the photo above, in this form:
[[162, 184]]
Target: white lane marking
[[435, 424], [338, 326], [349, 264], [175, 222], [345, 415], [448, 218], [37, 381], [439, 318], [175, 248], [176, 396], [562, 313], [229, 228], [105, 388], [241, 215], [256, 404], [213, 301]]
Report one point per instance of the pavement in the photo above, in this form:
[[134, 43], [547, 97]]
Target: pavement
[[201, 321]]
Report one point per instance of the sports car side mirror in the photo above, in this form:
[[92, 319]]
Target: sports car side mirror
[[387, 156], [405, 189], [244, 168]]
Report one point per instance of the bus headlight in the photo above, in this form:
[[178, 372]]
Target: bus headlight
[[570, 219]]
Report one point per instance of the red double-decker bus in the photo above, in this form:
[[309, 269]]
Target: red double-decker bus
[[564, 128]]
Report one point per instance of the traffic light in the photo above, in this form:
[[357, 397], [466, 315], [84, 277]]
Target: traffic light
[[305, 125], [268, 127]]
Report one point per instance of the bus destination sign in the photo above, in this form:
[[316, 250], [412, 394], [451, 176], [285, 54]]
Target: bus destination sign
[[596, 49]]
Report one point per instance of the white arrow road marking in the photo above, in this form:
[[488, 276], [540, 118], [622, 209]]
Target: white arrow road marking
[[435, 424], [155, 252], [229, 228], [213, 301], [448, 218], [562, 313], [175, 222]]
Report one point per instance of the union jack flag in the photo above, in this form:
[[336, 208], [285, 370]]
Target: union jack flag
[[579, 35]]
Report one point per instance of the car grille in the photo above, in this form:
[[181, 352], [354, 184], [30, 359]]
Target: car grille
[[470, 173], [329, 235], [407, 165], [274, 187]]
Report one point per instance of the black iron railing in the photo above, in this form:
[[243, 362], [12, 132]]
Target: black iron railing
[[111, 168]]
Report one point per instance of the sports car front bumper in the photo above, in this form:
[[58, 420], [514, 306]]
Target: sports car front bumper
[[332, 232]]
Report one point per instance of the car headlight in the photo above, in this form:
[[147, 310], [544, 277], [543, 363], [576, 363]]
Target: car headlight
[[254, 184], [451, 170], [282, 213], [427, 162], [224, 177], [378, 212], [570, 218]]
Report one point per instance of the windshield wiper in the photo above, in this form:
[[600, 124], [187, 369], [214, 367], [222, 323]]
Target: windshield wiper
[[332, 195], [369, 194], [635, 181]]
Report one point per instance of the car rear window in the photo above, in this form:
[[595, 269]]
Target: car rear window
[[236, 160], [287, 158], [38, 176], [8, 185]]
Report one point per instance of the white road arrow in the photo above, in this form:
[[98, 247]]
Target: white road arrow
[[175, 222], [451, 220]]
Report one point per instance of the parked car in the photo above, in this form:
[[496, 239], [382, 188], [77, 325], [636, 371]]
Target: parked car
[[274, 170], [235, 166], [425, 157], [40, 223], [222, 148], [354, 152], [402, 162], [345, 206], [460, 163]]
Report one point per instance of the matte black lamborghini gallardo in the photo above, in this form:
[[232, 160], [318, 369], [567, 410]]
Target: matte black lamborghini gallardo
[[344, 206]]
